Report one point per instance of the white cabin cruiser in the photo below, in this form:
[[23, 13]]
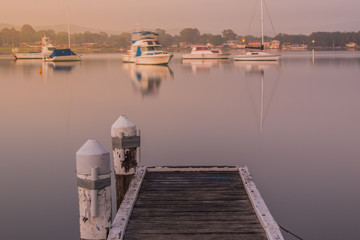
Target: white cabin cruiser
[[205, 52], [46, 49], [146, 49]]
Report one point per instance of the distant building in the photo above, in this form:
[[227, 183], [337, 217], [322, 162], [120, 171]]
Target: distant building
[[183, 44], [235, 44], [254, 44], [351, 45], [294, 47], [275, 44]]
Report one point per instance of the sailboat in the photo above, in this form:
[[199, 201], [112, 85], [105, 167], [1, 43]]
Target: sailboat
[[63, 55], [259, 55]]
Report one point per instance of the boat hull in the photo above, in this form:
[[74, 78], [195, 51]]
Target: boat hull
[[265, 57], [205, 56], [162, 59], [63, 58], [29, 55], [127, 58]]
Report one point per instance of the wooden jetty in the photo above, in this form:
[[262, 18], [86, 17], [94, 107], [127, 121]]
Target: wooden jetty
[[165, 203], [177, 203]]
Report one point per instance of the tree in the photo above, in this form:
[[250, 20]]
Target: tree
[[48, 33], [9, 36], [27, 33], [165, 39], [61, 38], [217, 40], [205, 38], [228, 34], [190, 35], [123, 40]]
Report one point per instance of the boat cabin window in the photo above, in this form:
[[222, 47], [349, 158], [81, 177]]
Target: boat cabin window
[[149, 42], [201, 49], [254, 53], [153, 48]]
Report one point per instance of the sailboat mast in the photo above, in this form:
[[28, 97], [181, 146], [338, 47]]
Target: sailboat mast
[[68, 21], [262, 23], [69, 33], [262, 103]]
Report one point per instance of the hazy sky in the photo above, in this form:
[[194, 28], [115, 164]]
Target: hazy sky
[[209, 16]]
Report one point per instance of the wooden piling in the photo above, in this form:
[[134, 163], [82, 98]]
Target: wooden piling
[[125, 142], [94, 181]]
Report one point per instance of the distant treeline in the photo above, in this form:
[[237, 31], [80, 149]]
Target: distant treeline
[[12, 37]]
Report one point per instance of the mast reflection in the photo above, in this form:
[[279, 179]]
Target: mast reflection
[[257, 70]]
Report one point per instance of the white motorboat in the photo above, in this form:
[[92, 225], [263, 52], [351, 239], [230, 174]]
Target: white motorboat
[[46, 49], [146, 49], [62, 55], [258, 54], [205, 52]]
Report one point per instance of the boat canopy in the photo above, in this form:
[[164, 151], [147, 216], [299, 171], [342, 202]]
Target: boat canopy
[[62, 52], [143, 35]]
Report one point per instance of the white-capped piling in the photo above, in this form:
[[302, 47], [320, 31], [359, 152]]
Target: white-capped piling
[[125, 143], [94, 180]]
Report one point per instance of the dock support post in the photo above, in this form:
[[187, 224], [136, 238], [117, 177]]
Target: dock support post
[[125, 142], [94, 180]]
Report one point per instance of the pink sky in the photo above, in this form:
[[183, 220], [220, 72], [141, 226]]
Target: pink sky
[[213, 16]]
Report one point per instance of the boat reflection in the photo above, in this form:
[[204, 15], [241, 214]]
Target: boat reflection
[[62, 66], [147, 78], [204, 65], [256, 67], [48, 69]]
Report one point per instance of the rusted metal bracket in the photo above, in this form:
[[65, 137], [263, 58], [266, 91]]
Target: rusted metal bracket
[[125, 142], [94, 185]]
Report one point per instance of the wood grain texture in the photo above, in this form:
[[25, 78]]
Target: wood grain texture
[[193, 205]]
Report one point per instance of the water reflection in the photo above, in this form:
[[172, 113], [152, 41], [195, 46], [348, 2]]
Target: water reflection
[[28, 66], [254, 73], [323, 58], [147, 78], [61, 66], [256, 67], [203, 65]]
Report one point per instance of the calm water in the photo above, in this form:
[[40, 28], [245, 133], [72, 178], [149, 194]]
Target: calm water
[[295, 124]]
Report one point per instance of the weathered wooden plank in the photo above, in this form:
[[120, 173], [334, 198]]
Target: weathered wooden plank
[[224, 217], [195, 203], [218, 236], [199, 230]]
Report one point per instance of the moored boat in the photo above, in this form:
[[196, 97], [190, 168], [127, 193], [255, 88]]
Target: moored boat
[[146, 49], [257, 56], [46, 49], [62, 55], [258, 53], [205, 52]]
